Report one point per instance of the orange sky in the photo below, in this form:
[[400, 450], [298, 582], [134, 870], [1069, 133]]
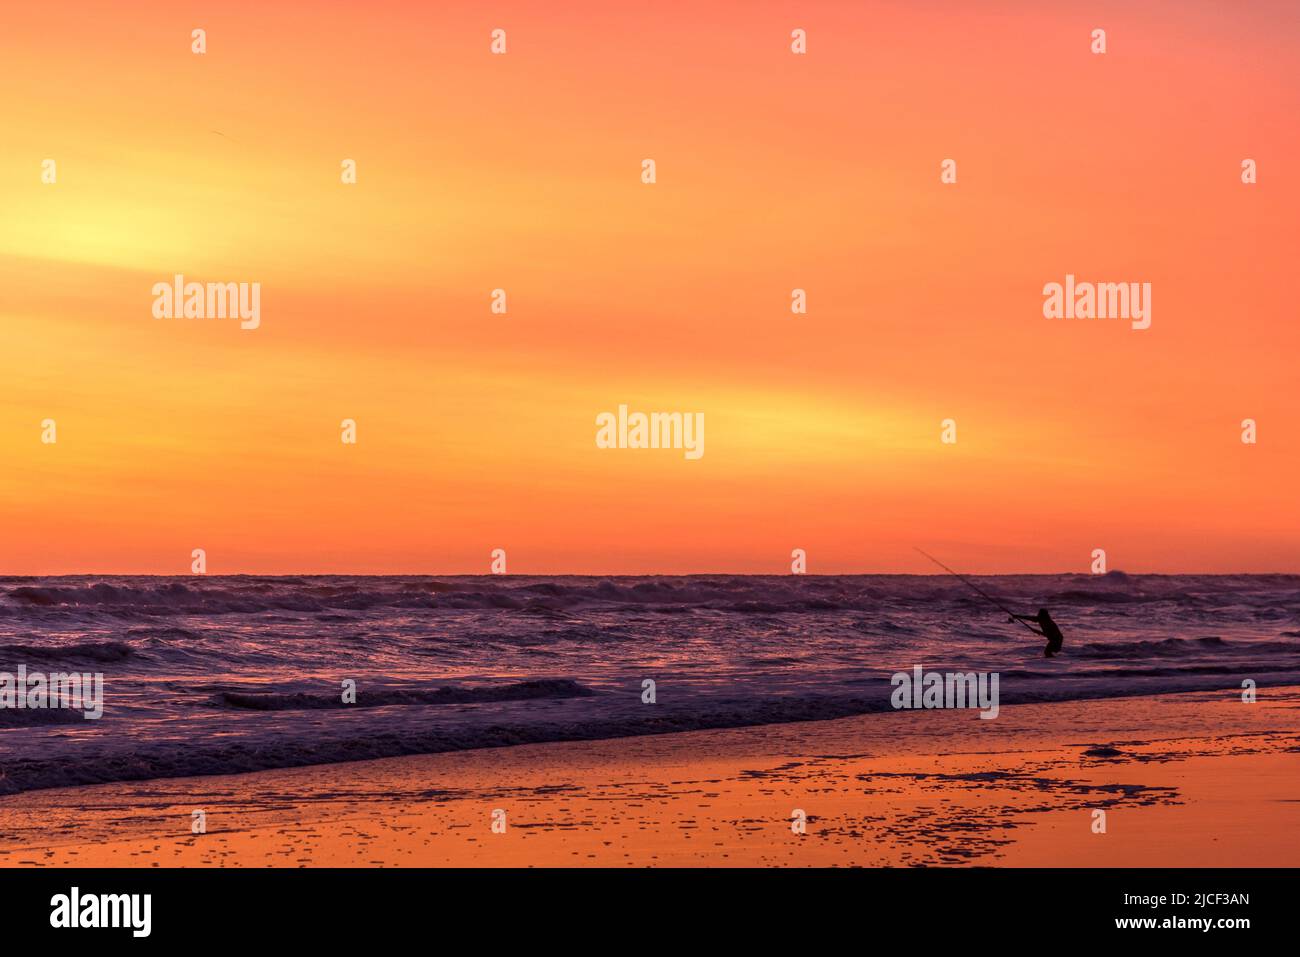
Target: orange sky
[[522, 172]]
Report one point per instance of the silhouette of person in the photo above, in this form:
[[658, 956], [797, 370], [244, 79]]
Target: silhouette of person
[[1046, 627]]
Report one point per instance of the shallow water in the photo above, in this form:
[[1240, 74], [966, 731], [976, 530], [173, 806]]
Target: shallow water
[[221, 674]]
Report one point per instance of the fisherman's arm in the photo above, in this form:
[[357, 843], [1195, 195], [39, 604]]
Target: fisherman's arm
[[1028, 618]]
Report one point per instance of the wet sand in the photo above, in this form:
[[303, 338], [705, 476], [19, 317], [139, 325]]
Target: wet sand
[[1196, 779]]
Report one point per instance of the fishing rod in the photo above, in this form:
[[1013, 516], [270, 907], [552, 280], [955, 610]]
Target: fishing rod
[[976, 587]]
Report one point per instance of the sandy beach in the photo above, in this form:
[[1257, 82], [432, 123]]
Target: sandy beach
[[1197, 779]]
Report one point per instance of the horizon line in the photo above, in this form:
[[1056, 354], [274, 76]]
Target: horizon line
[[427, 574]]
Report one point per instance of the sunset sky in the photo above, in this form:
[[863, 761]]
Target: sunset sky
[[775, 171]]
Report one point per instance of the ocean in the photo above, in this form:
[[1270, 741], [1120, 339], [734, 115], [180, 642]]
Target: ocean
[[213, 675]]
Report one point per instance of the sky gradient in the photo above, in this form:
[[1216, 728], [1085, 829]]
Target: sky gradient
[[775, 171]]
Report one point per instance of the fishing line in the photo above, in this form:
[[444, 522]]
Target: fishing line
[[976, 587]]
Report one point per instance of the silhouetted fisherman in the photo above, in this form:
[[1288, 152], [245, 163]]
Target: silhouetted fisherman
[[1046, 627]]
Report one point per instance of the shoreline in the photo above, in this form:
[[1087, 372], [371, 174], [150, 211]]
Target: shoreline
[[937, 787]]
